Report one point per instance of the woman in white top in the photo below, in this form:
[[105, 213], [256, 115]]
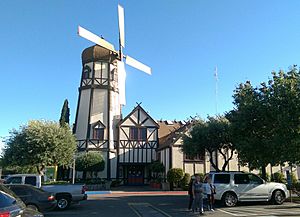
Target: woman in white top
[[210, 192]]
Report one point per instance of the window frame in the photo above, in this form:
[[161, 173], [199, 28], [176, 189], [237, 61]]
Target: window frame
[[138, 133]]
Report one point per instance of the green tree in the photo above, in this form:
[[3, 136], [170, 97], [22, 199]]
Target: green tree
[[251, 126], [65, 114], [210, 136], [174, 176], [90, 162], [39, 144], [265, 121]]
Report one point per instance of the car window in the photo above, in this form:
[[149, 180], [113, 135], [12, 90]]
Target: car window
[[30, 180], [222, 179], [241, 179], [6, 200], [20, 190], [14, 180], [255, 179]]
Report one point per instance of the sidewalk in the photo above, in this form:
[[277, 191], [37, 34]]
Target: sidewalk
[[134, 191]]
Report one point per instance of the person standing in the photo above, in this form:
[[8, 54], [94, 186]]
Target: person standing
[[210, 192], [190, 191], [197, 190]]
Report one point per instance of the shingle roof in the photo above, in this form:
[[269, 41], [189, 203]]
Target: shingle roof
[[169, 133]]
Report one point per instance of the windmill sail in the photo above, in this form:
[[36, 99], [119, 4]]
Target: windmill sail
[[138, 65], [121, 25], [95, 38]]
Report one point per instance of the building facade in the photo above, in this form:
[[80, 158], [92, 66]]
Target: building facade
[[130, 144]]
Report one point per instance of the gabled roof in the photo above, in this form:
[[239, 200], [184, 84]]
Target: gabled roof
[[171, 138], [138, 107]]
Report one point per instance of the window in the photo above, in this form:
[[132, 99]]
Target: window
[[98, 134], [86, 72], [222, 179], [30, 180], [253, 179], [138, 133], [241, 179], [20, 191], [14, 180], [198, 157]]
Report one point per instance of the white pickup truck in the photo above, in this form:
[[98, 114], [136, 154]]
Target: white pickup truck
[[64, 194]]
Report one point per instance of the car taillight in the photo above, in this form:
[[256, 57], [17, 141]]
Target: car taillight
[[83, 189], [51, 198], [5, 214]]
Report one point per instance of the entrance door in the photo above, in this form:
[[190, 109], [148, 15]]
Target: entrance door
[[135, 175]]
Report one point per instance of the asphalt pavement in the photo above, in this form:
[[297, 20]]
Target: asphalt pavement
[[132, 205]]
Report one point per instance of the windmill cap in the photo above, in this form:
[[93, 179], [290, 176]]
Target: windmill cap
[[95, 53]]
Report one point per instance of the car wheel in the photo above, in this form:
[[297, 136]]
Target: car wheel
[[63, 203], [33, 207], [230, 199], [278, 197]]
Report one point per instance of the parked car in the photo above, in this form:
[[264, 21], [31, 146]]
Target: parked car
[[34, 198], [232, 187], [12, 206], [64, 194]]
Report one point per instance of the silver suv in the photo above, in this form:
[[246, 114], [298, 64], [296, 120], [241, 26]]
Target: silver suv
[[232, 187]]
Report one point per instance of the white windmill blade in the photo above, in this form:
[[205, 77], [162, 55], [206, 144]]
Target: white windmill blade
[[95, 38], [136, 64], [121, 25]]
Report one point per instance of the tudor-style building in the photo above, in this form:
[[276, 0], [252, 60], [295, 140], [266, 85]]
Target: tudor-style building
[[129, 144], [170, 144], [137, 144]]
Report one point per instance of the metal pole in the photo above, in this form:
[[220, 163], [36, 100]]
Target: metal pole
[[73, 173]]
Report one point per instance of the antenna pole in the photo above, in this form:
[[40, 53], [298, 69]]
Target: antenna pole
[[216, 89]]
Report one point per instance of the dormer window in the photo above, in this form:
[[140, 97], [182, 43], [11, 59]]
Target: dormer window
[[98, 131], [138, 133]]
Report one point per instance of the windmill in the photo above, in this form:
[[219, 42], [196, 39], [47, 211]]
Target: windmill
[[107, 45]]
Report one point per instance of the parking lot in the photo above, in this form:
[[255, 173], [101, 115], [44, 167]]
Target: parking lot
[[167, 205]]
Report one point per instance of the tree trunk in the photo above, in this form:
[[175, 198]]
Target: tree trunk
[[84, 175], [211, 160], [40, 170], [263, 172]]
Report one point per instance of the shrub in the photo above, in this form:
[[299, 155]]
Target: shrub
[[157, 167], [184, 182], [268, 177], [174, 176], [297, 186], [278, 177]]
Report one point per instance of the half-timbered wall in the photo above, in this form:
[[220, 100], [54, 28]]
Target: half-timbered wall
[[134, 150]]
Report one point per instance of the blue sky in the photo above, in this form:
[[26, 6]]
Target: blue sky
[[182, 41]]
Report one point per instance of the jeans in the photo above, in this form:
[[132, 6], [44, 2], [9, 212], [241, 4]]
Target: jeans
[[198, 202]]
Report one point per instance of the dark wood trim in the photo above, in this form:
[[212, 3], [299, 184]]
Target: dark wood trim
[[194, 168], [147, 118], [139, 116], [132, 112], [90, 105]]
